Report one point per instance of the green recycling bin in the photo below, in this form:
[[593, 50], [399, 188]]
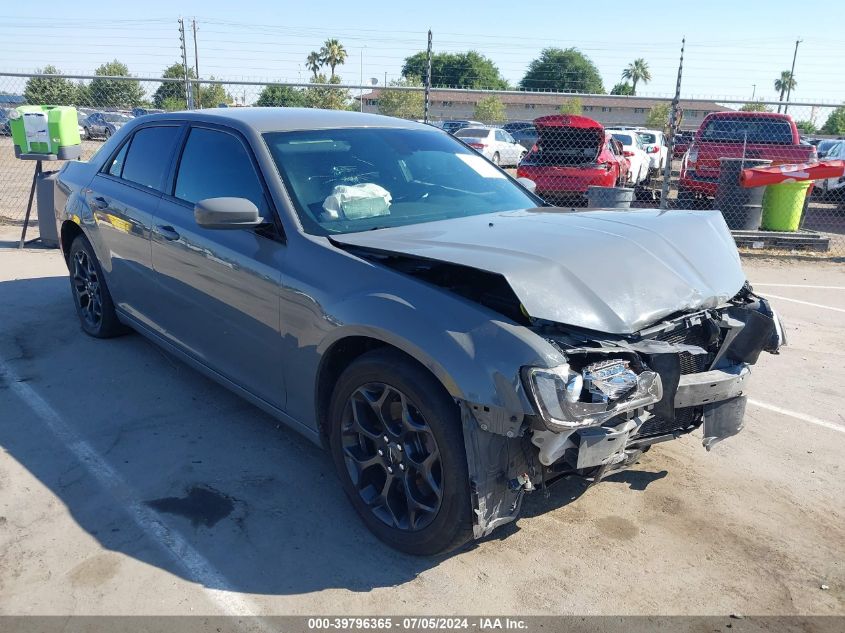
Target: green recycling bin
[[48, 131], [783, 205]]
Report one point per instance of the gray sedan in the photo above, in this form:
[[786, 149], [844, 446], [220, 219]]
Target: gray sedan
[[395, 297]]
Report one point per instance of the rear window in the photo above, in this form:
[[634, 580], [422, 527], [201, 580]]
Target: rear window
[[748, 130], [472, 133], [625, 139], [149, 156], [648, 138]]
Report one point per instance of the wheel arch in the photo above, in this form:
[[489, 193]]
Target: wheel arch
[[70, 231], [345, 349]]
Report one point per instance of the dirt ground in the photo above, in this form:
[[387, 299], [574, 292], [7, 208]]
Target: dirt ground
[[130, 484]]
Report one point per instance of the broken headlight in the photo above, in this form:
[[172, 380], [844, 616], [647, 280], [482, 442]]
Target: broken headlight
[[569, 399]]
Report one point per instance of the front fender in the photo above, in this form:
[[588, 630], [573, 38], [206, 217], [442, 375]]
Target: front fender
[[475, 353]]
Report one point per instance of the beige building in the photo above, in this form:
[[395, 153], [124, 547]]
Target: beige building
[[607, 110]]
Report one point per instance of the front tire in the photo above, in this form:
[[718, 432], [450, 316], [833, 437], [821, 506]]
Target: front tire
[[91, 295], [398, 448]]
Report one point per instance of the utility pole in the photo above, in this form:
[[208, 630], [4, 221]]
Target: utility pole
[[361, 83], [427, 79], [673, 128], [196, 61], [791, 76], [753, 91], [189, 97]]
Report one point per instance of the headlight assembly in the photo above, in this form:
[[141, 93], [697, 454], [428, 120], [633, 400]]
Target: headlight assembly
[[568, 399]]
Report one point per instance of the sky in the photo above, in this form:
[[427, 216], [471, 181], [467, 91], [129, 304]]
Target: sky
[[735, 49]]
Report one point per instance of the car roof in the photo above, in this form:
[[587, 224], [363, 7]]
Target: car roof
[[287, 119]]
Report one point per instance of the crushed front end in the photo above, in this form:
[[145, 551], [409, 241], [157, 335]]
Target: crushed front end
[[617, 395]]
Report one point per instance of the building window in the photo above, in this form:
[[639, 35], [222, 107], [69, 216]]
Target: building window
[[606, 109], [588, 108], [446, 104], [529, 106], [639, 110]]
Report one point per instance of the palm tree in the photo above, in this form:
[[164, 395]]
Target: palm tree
[[637, 71], [314, 62], [333, 54], [785, 83]]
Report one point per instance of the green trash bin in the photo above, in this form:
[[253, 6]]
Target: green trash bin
[[783, 205], [48, 131]]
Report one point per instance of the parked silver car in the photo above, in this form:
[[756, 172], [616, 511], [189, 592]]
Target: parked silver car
[[395, 297]]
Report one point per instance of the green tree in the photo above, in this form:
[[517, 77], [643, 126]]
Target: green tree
[[405, 104], [755, 106], [622, 88], [456, 70], [637, 71], [173, 91], [571, 106], [313, 63], [210, 95], [835, 123], [563, 70], [658, 116], [281, 96], [324, 97], [490, 110], [806, 127], [115, 93], [50, 90], [785, 83], [332, 55]]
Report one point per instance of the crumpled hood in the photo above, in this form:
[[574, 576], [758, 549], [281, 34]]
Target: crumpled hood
[[610, 271]]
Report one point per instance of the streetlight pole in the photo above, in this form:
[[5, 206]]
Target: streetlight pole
[[791, 76]]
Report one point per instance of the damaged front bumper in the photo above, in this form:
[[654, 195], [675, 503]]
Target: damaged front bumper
[[615, 398]]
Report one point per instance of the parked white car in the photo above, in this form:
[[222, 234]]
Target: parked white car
[[494, 143], [655, 146], [634, 151], [834, 186]]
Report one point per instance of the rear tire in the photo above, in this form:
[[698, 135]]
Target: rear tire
[[397, 445], [87, 133], [496, 159], [91, 296], [686, 198]]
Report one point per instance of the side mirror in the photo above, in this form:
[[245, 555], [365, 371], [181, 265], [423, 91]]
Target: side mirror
[[226, 213], [528, 184]]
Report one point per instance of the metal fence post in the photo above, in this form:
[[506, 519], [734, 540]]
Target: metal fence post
[[427, 79], [673, 128]]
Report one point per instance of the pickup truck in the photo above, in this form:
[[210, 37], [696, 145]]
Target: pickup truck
[[766, 135]]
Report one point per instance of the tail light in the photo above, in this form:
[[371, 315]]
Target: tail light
[[628, 153], [653, 149], [692, 155], [477, 145]]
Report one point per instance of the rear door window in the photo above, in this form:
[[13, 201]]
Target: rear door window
[[148, 158], [216, 164], [116, 165]]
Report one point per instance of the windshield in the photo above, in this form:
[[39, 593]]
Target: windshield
[[748, 130], [358, 179]]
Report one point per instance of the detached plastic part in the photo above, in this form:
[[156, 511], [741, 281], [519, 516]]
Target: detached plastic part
[[722, 420]]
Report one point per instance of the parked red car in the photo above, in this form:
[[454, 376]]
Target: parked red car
[[573, 152], [766, 135]]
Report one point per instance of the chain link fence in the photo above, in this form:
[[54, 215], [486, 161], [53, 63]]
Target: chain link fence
[[658, 154]]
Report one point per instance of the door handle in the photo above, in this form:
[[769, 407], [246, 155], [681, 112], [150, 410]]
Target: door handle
[[167, 232], [101, 203]]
